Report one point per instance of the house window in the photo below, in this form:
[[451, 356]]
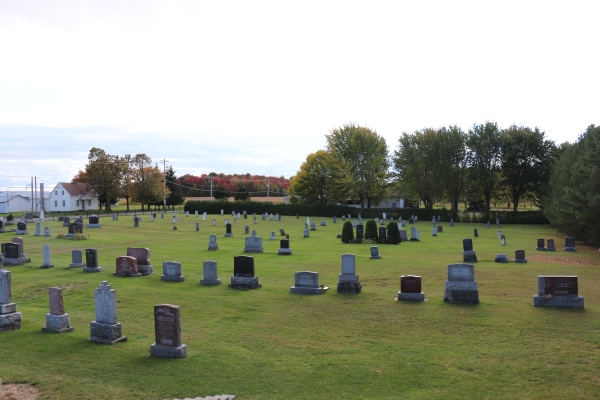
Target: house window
[[393, 205], [56, 192], [77, 203], [63, 192], [63, 203], [55, 203], [89, 202]]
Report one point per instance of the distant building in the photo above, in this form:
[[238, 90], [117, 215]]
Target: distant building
[[72, 197], [391, 202]]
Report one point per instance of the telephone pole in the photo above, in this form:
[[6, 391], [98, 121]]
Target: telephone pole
[[164, 161]]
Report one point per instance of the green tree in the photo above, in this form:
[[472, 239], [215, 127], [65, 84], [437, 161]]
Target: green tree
[[450, 166], [393, 233], [347, 232], [311, 183], [525, 154], [220, 192], [359, 161], [241, 192], [573, 200], [483, 143], [103, 173], [414, 166], [175, 198], [371, 231], [147, 181]]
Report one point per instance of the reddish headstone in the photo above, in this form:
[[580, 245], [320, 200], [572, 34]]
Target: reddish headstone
[[167, 325], [57, 305], [410, 284], [126, 265], [141, 254]]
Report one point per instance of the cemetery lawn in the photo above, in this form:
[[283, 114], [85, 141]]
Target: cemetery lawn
[[270, 344]]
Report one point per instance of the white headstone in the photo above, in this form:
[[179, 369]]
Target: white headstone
[[348, 264], [105, 299]]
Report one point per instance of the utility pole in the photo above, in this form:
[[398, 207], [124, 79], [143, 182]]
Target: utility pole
[[268, 186], [164, 184]]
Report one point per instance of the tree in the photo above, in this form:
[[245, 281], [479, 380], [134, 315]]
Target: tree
[[360, 160], [483, 144], [450, 167], [393, 234], [371, 231], [175, 198], [241, 193], [524, 154], [347, 232], [147, 181], [220, 192], [311, 183], [573, 199], [103, 173], [414, 166]]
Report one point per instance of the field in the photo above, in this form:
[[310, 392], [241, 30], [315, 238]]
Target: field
[[270, 344]]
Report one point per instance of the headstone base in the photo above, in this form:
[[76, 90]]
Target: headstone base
[[413, 240], [210, 282], [57, 324], [540, 248], [375, 257], [172, 278], [565, 249], [522, 261], [16, 261], [469, 256], [244, 282], [501, 258], [349, 287], [8, 308], [77, 265], [106, 333], [307, 290], [21, 232], [551, 249], [168, 352], [284, 252], [92, 269], [411, 296], [94, 225], [9, 322], [253, 249], [35, 234], [45, 266], [229, 235], [558, 301], [461, 296], [213, 247], [2, 230], [127, 275], [145, 269]]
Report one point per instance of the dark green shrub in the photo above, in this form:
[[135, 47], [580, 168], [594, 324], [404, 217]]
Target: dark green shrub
[[393, 233], [347, 232], [371, 230]]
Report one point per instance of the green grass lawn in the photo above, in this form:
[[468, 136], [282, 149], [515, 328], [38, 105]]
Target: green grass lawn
[[270, 344]]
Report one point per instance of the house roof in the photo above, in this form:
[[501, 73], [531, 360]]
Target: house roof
[[78, 189]]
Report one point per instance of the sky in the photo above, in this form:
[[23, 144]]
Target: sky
[[255, 86]]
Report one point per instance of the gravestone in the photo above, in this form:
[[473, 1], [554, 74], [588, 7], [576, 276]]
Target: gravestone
[[142, 257], [306, 233], [488, 225], [498, 222], [19, 240], [91, 261], [403, 237], [47, 231], [469, 254], [461, 288], [38, 229], [254, 233], [197, 226], [440, 229], [375, 252], [550, 244], [343, 217], [520, 256], [277, 217], [255, 221], [271, 216], [74, 229], [187, 214], [76, 259], [451, 222], [271, 235], [162, 215], [57, 321], [214, 222], [501, 258], [46, 256], [334, 220], [167, 332], [79, 220], [28, 217], [246, 230], [22, 228], [382, 234], [136, 221], [263, 217], [212, 243], [2, 227], [13, 254], [172, 272], [560, 291], [354, 223], [313, 226], [243, 273], [204, 216], [416, 219], [228, 230], [307, 282], [434, 231], [410, 289], [413, 234], [114, 217], [360, 232], [323, 223], [541, 246], [94, 222], [503, 240], [106, 329], [475, 233], [281, 232], [210, 274], [174, 219], [10, 319], [433, 220], [382, 222], [403, 223], [127, 266], [152, 217], [245, 214], [66, 221], [569, 244], [349, 216], [254, 244], [348, 281], [284, 247]]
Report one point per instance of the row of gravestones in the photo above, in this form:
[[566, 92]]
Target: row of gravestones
[[469, 254]]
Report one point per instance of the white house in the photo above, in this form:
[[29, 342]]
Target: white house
[[72, 197], [14, 203]]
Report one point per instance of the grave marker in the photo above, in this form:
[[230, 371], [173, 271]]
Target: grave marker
[[410, 289], [46, 255], [560, 291], [210, 274], [106, 329], [461, 288], [167, 331], [172, 272], [348, 281], [91, 261], [243, 273], [57, 321], [307, 282], [10, 319]]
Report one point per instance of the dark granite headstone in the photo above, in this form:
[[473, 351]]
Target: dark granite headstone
[[91, 258], [560, 286], [10, 218], [550, 244], [243, 266], [21, 226], [383, 233], [228, 229], [475, 233], [467, 244], [541, 245], [94, 219], [520, 256], [282, 232], [284, 244], [359, 232], [569, 244], [11, 250], [410, 284]]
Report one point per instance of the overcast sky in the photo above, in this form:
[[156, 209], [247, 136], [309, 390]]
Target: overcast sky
[[254, 86]]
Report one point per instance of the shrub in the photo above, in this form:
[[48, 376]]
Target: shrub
[[347, 232], [371, 230], [393, 233]]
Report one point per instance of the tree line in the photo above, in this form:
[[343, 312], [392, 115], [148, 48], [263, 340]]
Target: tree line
[[430, 165], [241, 186]]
